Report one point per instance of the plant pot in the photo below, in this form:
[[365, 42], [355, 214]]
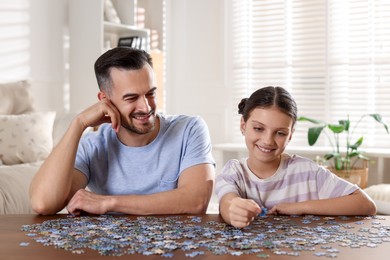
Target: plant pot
[[357, 176]]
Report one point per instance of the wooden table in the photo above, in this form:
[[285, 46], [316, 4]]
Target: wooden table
[[11, 237]]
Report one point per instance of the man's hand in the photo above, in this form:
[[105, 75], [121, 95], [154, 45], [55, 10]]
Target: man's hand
[[84, 200], [242, 212], [103, 111]]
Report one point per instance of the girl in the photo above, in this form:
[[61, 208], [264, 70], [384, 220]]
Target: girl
[[271, 179]]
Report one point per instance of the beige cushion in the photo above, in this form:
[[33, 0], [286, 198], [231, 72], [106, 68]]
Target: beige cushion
[[26, 138], [380, 193], [14, 188], [16, 98]]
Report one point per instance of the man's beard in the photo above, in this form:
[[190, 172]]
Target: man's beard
[[146, 128]]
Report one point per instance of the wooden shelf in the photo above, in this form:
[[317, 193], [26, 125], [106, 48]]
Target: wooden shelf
[[123, 29], [90, 36]]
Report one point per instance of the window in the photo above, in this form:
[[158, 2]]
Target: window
[[14, 39], [333, 56]]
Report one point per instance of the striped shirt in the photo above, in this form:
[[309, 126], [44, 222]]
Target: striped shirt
[[297, 179]]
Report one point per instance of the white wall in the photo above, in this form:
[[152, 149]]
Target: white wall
[[48, 23], [195, 75]]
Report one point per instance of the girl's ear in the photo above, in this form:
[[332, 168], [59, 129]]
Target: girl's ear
[[242, 125], [292, 132], [101, 95]]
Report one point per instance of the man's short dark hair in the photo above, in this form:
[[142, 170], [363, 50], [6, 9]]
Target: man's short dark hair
[[122, 58]]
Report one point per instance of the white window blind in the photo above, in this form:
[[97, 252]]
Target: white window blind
[[333, 56], [14, 39]]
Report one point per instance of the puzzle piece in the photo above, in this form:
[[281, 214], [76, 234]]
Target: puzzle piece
[[116, 236], [264, 212]]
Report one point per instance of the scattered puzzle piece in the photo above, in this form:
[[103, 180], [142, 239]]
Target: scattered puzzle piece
[[279, 235]]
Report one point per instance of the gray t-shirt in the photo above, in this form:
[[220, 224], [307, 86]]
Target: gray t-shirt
[[113, 168]]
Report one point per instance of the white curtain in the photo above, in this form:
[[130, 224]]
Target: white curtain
[[14, 40], [333, 56]]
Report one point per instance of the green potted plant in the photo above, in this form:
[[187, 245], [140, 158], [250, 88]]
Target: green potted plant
[[342, 161]]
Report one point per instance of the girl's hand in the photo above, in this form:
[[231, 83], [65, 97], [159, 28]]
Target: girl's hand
[[287, 209], [242, 212]]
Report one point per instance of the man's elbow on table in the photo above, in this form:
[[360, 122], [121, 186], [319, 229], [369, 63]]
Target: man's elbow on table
[[42, 206], [194, 201], [200, 206], [201, 202], [195, 189]]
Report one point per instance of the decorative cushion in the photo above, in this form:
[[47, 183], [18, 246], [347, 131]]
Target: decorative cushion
[[26, 138], [16, 98], [380, 193]]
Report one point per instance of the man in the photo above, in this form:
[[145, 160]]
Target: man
[[138, 162]]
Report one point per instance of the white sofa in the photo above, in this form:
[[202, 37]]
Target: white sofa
[[26, 138]]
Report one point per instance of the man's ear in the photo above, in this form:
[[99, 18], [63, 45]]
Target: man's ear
[[242, 125], [101, 95]]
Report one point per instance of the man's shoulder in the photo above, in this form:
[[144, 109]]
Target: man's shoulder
[[100, 135]]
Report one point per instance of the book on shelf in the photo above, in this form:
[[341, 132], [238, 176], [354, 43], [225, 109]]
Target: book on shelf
[[131, 41]]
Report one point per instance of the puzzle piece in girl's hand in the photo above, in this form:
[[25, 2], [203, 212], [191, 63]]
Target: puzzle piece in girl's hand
[[264, 212]]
